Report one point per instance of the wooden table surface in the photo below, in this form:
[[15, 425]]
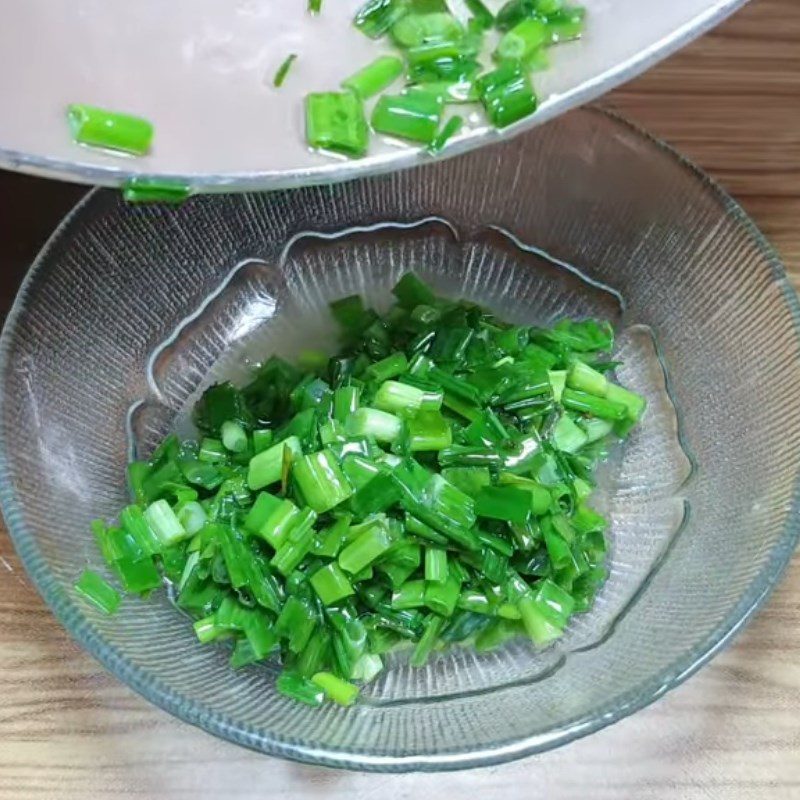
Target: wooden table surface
[[731, 102]]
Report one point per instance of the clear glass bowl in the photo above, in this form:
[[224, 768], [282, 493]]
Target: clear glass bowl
[[130, 311]]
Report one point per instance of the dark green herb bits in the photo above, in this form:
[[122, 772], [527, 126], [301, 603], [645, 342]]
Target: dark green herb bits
[[429, 484]]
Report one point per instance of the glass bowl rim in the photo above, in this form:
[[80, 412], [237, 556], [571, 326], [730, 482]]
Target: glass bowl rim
[[634, 699]]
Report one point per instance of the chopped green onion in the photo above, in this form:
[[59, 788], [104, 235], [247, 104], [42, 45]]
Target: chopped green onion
[[408, 116], [265, 467], [522, 41], [369, 545], [192, 516], [389, 367], [402, 398], [414, 30], [375, 77], [373, 422], [567, 435], [341, 692], [506, 94], [234, 437], [294, 547], [98, 592], [480, 13], [335, 121], [109, 130], [155, 190], [295, 687], [164, 522], [376, 17], [448, 457], [590, 404], [426, 643], [435, 564], [286, 64], [138, 575], [321, 481], [565, 24], [411, 292], [428, 430], [504, 503], [331, 584], [450, 129], [410, 595]]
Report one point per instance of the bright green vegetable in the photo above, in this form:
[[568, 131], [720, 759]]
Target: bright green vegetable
[[523, 40], [234, 436], [376, 17], [430, 484], [109, 130], [265, 467], [155, 190], [93, 588], [164, 522], [408, 116], [331, 584], [298, 688], [435, 565], [414, 30], [375, 77], [443, 57], [283, 69], [480, 13], [370, 544], [321, 481], [506, 94], [382, 426], [448, 131], [335, 121], [341, 692]]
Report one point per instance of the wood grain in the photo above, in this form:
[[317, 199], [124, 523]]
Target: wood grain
[[68, 730]]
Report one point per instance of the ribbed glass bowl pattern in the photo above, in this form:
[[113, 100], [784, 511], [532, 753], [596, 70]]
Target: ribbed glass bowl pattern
[[129, 312]]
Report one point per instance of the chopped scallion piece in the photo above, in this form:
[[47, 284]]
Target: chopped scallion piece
[[341, 692], [335, 121], [375, 77], [286, 65], [331, 584], [98, 592], [109, 130], [408, 116], [155, 190], [234, 437], [506, 94], [450, 129], [431, 483]]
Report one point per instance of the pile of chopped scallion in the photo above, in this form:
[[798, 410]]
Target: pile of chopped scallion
[[428, 485]]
